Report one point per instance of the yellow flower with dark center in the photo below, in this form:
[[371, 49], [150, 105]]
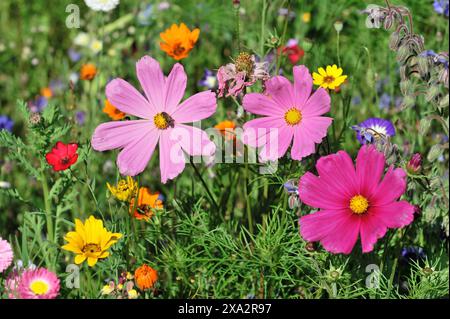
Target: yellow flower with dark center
[[331, 79], [90, 241], [178, 41], [125, 190]]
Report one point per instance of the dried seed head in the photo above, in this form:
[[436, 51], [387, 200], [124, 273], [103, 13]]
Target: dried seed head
[[35, 119], [245, 63]]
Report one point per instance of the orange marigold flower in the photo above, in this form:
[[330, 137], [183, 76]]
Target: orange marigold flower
[[113, 112], [88, 71], [178, 41], [147, 202], [226, 128], [145, 277], [47, 92]]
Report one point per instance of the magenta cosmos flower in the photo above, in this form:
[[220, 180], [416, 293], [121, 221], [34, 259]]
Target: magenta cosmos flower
[[353, 202], [38, 283], [292, 112], [162, 119], [6, 255]]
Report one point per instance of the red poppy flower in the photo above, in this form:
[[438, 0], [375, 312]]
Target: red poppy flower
[[294, 53], [62, 156]]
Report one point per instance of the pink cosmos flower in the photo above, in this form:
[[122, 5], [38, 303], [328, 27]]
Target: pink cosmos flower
[[162, 119], [292, 111], [6, 255], [38, 283], [353, 202]]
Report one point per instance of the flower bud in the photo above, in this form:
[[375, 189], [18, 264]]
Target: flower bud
[[338, 26], [414, 165]]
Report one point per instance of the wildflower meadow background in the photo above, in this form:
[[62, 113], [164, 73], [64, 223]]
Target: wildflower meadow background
[[224, 149]]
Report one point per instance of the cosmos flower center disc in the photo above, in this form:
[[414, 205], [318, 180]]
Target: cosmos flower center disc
[[293, 116], [163, 120], [359, 204]]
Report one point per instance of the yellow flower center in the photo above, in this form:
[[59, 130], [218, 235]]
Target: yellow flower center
[[244, 63], [293, 116], [91, 249], [39, 287], [329, 79], [359, 204], [163, 120]]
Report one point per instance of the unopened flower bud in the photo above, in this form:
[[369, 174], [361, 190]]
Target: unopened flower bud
[[338, 26], [414, 165]]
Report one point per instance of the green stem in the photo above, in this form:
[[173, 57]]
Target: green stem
[[238, 31], [48, 209], [338, 49], [247, 201], [211, 197], [263, 27]]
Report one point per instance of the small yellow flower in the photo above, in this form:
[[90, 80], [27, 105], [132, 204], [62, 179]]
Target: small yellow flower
[[90, 241], [125, 190], [132, 294], [306, 17], [119, 287], [107, 289], [331, 79]]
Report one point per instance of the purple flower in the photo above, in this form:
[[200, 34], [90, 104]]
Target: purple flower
[[441, 6], [57, 85], [385, 101], [6, 123], [38, 105], [74, 55], [373, 129], [80, 117], [415, 164], [410, 254], [209, 79]]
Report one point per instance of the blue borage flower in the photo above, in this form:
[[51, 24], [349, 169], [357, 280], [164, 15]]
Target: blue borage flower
[[441, 7], [209, 79], [373, 129], [6, 123]]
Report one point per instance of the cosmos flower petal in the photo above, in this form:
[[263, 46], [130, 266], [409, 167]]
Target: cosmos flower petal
[[152, 81], [337, 230], [371, 230], [391, 187], [337, 170], [396, 214], [112, 135], [281, 91], [369, 168], [318, 193], [127, 99], [197, 107], [303, 84], [256, 130], [319, 103], [276, 145], [175, 88], [193, 140], [171, 158], [135, 156], [260, 104], [303, 143]]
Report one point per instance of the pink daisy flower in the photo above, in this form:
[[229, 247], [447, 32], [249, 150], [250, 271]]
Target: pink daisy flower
[[162, 120], [291, 112], [38, 283], [353, 202], [6, 255]]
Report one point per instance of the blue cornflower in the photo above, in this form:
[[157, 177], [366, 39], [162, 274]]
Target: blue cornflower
[[441, 6], [38, 105], [373, 129], [6, 123], [412, 254]]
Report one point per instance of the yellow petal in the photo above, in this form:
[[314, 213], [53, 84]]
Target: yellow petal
[[72, 248], [322, 72], [92, 261], [329, 70], [79, 259]]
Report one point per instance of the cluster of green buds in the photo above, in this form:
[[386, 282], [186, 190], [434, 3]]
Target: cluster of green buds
[[417, 65]]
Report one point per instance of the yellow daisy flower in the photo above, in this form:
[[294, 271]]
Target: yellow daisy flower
[[90, 241], [125, 190], [331, 79]]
